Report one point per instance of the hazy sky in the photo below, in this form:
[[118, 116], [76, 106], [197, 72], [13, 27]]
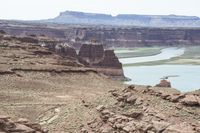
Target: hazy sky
[[43, 9]]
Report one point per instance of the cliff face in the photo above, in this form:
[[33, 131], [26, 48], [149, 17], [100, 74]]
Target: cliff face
[[104, 61], [110, 60], [131, 37], [91, 53], [65, 50], [108, 36]]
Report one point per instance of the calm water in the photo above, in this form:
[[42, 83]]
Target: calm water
[[165, 54], [188, 75], [187, 79]]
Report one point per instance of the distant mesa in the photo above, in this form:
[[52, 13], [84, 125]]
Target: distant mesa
[[72, 17]]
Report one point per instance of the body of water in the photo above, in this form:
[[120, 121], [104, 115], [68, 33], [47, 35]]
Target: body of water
[[187, 76], [165, 54]]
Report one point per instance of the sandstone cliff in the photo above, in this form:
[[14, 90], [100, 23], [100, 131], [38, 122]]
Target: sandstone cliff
[[91, 53], [65, 50], [104, 61], [110, 60]]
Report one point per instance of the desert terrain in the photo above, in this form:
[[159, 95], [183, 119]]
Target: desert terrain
[[65, 96]]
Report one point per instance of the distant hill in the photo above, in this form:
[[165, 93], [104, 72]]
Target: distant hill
[[71, 17]]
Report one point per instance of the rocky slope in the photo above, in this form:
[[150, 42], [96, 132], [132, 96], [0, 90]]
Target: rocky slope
[[140, 109]]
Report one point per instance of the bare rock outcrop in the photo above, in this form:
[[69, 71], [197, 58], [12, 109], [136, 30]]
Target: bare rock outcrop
[[191, 100], [65, 50], [164, 83], [20, 126], [104, 61], [110, 60], [139, 115], [91, 53]]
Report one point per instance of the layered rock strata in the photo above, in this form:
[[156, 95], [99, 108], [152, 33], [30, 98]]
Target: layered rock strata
[[108, 36], [104, 61]]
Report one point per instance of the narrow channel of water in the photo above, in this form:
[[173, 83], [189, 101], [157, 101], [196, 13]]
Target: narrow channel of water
[[165, 54]]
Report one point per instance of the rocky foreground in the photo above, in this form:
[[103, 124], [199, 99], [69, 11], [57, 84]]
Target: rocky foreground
[[20, 126], [140, 109]]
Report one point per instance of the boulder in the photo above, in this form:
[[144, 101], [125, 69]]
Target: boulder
[[100, 108], [176, 97], [131, 99], [191, 100], [134, 114]]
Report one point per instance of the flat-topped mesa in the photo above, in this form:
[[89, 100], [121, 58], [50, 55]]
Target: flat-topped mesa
[[104, 61]]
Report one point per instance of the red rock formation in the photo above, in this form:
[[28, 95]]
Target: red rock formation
[[110, 60], [65, 50], [164, 83], [92, 53], [105, 62]]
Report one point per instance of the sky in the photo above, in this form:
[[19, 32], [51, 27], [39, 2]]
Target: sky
[[44, 9]]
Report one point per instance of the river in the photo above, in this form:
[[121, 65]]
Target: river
[[165, 54], [187, 76]]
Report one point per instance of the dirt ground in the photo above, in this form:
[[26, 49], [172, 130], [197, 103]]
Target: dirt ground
[[38, 87]]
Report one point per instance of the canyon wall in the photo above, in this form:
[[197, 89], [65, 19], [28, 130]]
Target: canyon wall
[[109, 36], [133, 37]]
